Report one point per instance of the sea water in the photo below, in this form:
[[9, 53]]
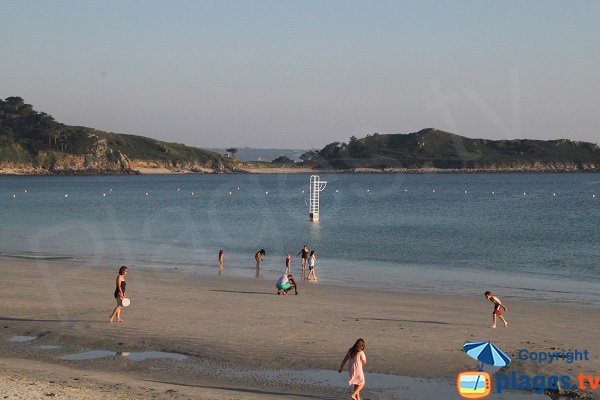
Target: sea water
[[528, 235]]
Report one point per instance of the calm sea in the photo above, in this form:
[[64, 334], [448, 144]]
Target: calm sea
[[534, 236]]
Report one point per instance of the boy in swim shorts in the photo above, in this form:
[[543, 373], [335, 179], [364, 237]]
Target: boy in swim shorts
[[498, 306]]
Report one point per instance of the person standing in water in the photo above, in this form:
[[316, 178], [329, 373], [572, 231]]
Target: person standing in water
[[356, 359], [288, 264], [311, 267], [258, 257], [221, 257], [304, 254], [119, 294]]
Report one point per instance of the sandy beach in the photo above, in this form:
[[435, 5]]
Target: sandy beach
[[224, 325]]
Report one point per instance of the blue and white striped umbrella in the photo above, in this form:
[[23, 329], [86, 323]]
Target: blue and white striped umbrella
[[486, 353]]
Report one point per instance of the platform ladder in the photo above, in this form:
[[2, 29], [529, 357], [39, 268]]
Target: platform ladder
[[316, 187]]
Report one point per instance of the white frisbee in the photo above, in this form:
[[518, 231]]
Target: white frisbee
[[125, 302]]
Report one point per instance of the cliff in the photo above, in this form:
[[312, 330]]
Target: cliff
[[34, 143]]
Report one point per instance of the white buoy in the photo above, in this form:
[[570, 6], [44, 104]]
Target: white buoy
[[466, 192], [433, 190], [25, 190], [337, 191], [593, 196], [303, 191], [554, 194], [238, 188], [524, 194], [14, 196], [66, 195], [406, 190], [266, 192], [146, 193], [178, 189], [229, 193], [493, 193], [193, 193], [368, 190], [103, 194]]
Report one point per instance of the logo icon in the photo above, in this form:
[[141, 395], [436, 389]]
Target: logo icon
[[474, 384]]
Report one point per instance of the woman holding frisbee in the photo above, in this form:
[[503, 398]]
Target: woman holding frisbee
[[119, 294]]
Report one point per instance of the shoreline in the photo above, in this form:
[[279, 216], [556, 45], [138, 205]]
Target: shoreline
[[411, 284], [241, 323], [294, 170]]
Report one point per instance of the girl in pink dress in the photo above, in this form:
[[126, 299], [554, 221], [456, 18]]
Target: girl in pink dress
[[356, 359]]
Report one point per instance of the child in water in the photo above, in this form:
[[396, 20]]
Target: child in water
[[497, 309], [221, 258], [311, 266], [356, 359], [288, 264]]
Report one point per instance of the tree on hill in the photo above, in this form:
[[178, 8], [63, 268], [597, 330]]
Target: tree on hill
[[283, 160], [310, 155], [232, 151], [334, 150]]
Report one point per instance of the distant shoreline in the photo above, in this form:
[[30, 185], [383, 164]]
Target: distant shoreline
[[293, 170]]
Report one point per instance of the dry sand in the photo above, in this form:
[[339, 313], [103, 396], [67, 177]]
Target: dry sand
[[224, 324]]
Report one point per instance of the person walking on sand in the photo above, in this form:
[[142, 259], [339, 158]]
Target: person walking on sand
[[258, 257], [311, 268], [221, 258], [356, 358], [498, 306], [119, 294], [304, 254]]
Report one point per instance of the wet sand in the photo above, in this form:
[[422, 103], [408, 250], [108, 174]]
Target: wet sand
[[224, 325]]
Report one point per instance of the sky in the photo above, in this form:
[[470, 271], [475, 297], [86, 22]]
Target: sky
[[302, 74]]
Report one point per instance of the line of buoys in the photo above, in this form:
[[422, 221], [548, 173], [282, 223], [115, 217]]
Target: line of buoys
[[230, 193]]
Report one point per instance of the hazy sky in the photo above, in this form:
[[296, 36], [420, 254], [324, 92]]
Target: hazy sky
[[304, 73]]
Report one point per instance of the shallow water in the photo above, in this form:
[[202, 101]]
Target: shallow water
[[22, 339], [48, 347], [399, 234], [147, 355], [89, 355], [379, 386]]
